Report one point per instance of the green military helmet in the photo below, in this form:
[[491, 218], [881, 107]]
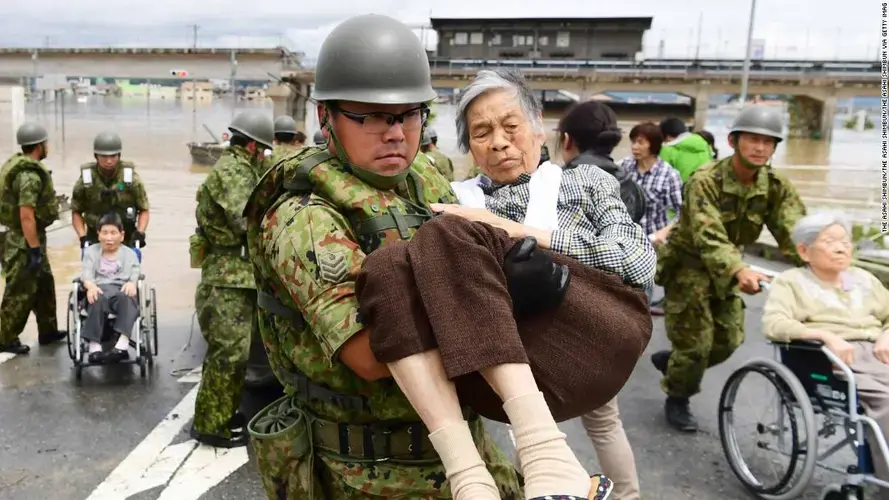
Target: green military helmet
[[319, 138], [427, 138], [285, 125], [255, 125], [30, 133], [373, 59], [759, 119], [107, 144]]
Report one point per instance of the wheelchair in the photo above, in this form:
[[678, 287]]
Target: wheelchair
[[809, 381], [143, 338]]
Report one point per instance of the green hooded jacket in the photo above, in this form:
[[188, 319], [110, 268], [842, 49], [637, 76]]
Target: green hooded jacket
[[686, 153]]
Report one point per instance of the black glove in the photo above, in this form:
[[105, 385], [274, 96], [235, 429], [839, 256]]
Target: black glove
[[140, 237], [35, 258], [85, 242], [535, 282]]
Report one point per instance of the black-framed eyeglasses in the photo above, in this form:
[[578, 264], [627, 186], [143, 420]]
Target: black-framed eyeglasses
[[379, 122]]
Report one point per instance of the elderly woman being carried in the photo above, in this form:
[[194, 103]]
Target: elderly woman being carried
[[478, 309], [845, 307]]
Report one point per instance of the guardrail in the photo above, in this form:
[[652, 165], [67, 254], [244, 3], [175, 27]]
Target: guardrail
[[864, 207]]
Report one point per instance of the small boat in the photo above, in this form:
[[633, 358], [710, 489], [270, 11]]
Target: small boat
[[64, 220], [205, 153]]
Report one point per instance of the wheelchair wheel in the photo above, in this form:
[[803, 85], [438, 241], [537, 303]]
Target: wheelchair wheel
[[71, 325], [143, 364], [78, 369], [153, 308], [794, 428]]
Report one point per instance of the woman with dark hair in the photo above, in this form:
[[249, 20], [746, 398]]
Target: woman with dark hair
[[711, 141], [588, 134]]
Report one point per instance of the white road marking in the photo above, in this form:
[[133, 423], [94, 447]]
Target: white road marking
[[187, 469]]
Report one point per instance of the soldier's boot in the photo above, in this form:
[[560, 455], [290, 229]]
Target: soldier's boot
[[49, 338], [679, 414], [15, 347], [660, 360], [238, 428]]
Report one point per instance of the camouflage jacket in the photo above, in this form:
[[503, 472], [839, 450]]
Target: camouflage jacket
[[219, 214], [25, 182], [307, 247], [720, 215], [97, 193], [280, 151], [442, 163]]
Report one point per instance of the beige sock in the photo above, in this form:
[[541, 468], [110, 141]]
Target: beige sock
[[469, 478], [548, 464]]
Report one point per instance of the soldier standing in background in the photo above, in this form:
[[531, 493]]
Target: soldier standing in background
[[28, 204], [441, 162], [287, 138], [109, 185], [225, 299], [725, 206]]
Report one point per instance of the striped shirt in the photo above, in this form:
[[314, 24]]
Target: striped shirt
[[663, 190], [594, 226]]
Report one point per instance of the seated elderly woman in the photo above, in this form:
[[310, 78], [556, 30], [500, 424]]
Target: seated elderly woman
[[110, 273], [478, 309], [845, 307]]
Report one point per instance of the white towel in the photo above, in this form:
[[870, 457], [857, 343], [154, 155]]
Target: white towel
[[542, 211]]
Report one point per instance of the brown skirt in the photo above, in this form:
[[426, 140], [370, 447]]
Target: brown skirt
[[446, 289]]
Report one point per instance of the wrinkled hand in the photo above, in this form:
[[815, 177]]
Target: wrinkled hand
[[881, 348], [748, 280], [843, 350], [92, 294], [514, 229], [660, 237], [535, 282], [35, 258], [129, 289]]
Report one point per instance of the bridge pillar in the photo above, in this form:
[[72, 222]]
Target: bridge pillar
[[700, 105], [12, 105], [811, 118], [291, 99]]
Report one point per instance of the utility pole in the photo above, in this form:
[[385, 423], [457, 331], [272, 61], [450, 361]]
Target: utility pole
[[746, 78], [194, 84], [700, 29]]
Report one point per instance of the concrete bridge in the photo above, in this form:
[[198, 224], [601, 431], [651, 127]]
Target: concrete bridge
[[814, 87], [147, 63]]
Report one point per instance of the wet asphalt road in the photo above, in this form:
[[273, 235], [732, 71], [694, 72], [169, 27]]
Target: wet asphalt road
[[59, 438]]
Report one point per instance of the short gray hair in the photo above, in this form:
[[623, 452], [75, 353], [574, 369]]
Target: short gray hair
[[808, 228], [491, 80]]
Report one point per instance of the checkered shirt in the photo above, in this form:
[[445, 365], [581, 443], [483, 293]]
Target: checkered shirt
[[663, 190], [594, 225]]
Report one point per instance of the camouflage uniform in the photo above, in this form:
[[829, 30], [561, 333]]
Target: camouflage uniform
[[704, 313], [226, 297], [442, 163], [25, 182], [96, 193], [280, 151], [307, 249]]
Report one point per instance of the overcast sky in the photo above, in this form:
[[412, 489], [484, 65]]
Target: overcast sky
[[846, 29]]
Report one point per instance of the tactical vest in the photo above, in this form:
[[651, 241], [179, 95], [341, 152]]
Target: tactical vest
[[119, 198], [377, 218], [47, 209]]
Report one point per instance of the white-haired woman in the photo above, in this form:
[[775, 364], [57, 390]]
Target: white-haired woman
[[845, 307], [545, 366]]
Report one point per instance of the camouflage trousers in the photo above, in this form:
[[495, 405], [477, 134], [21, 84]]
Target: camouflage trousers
[[227, 317], [26, 291], [703, 330]]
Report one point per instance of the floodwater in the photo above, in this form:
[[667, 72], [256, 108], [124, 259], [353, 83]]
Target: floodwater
[[155, 134]]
